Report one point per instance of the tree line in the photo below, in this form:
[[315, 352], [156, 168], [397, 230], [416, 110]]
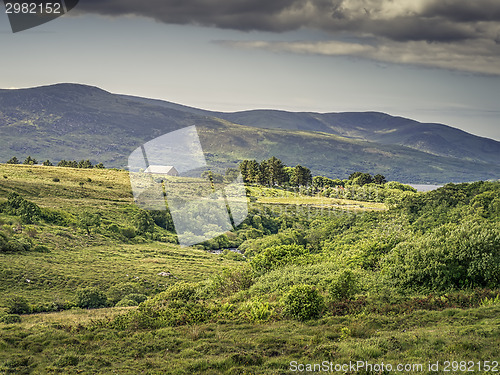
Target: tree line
[[63, 163], [273, 172]]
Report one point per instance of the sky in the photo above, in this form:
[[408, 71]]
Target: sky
[[429, 60]]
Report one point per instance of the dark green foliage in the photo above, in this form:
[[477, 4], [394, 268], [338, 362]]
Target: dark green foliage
[[180, 291], [361, 179], [89, 298], [344, 286], [47, 163], [453, 255], [126, 302], [144, 223], [30, 161], [13, 160], [379, 179], [86, 164], [120, 290], [88, 220], [136, 297], [57, 217], [17, 305], [10, 318], [128, 232], [300, 176], [163, 219], [29, 212], [278, 256], [303, 302], [227, 283]]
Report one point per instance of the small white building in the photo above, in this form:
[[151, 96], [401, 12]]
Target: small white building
[[167, 170]]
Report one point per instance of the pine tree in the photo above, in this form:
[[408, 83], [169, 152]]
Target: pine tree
[[13, 160], [30, 161]]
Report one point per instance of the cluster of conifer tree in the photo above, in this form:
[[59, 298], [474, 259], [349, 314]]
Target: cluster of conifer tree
[[273, 172]]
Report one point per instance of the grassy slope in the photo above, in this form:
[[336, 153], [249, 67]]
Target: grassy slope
[[57, 343], [60, 343], [75, 259]]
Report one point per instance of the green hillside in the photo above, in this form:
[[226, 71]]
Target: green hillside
[[62, 121], [91, 284]]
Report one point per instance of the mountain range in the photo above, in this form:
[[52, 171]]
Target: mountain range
[[73, 121]]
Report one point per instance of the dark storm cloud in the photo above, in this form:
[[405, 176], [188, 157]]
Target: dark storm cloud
[[465, 10], [450, 34], [431, 20]]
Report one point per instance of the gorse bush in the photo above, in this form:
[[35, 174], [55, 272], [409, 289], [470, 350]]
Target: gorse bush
[[89, 298], [17, 305], [278, 256], [303, 302], [121, 290], [451, 256], [180, 291], [344, 286]]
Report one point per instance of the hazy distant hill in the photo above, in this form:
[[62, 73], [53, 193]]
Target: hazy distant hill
[[377, 127], [69, 121]]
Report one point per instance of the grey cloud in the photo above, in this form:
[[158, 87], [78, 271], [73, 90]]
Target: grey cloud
[[470, 56], [431, 20], [458, 34], [464, 10]]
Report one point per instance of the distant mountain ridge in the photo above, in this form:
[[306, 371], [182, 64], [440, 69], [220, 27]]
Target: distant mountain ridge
[[436, 139], [73, 121]]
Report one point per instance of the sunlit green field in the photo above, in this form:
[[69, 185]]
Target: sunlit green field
[[230, 310]]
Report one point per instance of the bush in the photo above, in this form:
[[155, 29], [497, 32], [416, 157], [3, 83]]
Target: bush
[[119, 291], [128, 232], [10, 318], [345, 286], [303, 302], [137, 297], [133, 299], [17, 305], [125, 302], [451, 256], [89, 298], [55, 179], [278, 256], [180, 291]]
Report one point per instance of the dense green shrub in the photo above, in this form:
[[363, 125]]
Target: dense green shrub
[[125, 302], [278, 256], [144, 222], [344, 286], [451, 256], [120, 290], [303, 302], [230, 281], [17, 305], [137, 297], [10, 318], [88, 220], [180, 291], [128, 232], [89, 298]]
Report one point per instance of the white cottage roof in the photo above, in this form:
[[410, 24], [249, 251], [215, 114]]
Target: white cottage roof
[[161, 169]]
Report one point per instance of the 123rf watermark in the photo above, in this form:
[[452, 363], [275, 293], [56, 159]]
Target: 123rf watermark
[[443, 366]]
